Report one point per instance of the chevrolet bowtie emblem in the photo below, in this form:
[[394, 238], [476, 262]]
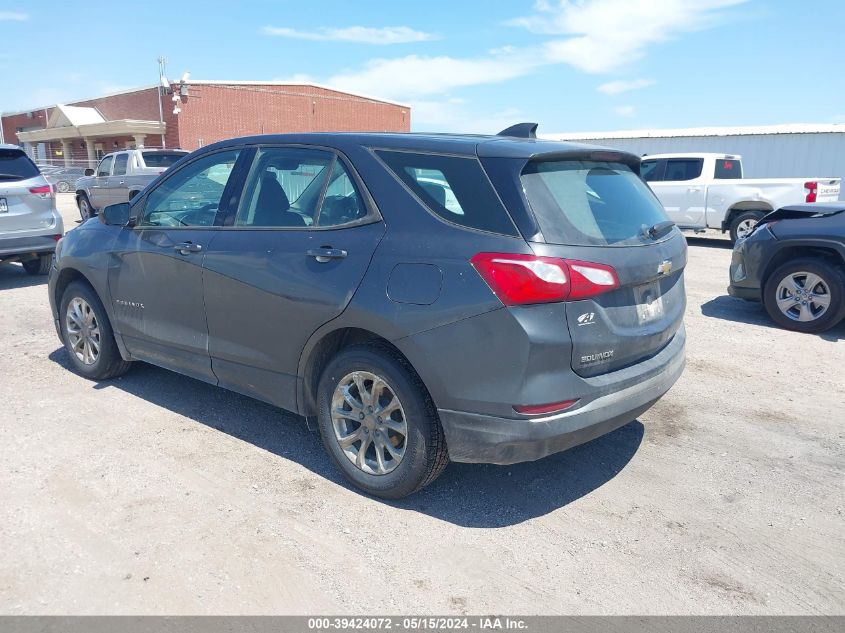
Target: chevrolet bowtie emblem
[[665, 267]]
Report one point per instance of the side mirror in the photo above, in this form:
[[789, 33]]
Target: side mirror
[[89, 172], [116, 214]]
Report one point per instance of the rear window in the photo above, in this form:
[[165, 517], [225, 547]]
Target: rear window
[[455, 188], [161, 159], [16, 165], [588, 203], [728, 169]]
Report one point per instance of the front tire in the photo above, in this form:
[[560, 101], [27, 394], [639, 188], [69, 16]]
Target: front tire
[[378, 423], [743, 224], [806, 295], [39, 265], [86, 211], [87, 334]]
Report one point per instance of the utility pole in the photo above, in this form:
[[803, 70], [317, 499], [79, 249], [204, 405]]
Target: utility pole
[[163, 85]]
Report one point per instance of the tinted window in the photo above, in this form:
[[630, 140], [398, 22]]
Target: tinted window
[[652, 170], [728, 169], [285, 187], [342, 203], [16, 165], [678, 169], [161, 159], [590, 203], [120, 164], [104, 168], [191, 197], [456, 189]]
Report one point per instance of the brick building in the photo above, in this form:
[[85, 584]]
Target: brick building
[[192, 115]]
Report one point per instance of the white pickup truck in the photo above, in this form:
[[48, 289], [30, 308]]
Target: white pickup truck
[[701, 191]]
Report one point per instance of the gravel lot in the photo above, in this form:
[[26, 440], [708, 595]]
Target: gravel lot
[[156, 493]]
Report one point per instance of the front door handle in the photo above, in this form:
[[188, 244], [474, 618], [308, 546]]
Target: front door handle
[[326, 253], [185, 248]]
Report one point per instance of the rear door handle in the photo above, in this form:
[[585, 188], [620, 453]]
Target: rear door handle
[[694, 189], [186, 248], [326, 253]]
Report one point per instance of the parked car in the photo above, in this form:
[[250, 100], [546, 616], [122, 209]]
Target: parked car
[[30, 225], [701, 191], [64, 179], [120, 176], [794, 262], [320, 273]]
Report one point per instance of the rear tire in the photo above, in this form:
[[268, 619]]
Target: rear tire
[[358, 384], [86, 211], [743, 224], [87, 334], [39, 266], [62, 186], [800, 289]]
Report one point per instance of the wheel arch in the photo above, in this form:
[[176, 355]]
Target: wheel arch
[[66, 277], [322, 347], [790, 252], [746, 205]]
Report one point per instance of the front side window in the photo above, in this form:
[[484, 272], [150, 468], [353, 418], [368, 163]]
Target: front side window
[[680, 169], [191, 196], [104, 168], [120, 162], [455, 188], [652, 170], [589, 203]]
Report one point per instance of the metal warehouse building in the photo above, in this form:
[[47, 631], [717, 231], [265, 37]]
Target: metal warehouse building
[[768, 151]]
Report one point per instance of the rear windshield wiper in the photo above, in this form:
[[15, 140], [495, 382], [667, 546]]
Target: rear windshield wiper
[[12, 176], [658, 230]]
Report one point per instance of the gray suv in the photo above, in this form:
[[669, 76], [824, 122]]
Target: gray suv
[[426, 298], [30, 225]]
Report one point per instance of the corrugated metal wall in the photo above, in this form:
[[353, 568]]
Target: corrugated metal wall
[[763, 155]]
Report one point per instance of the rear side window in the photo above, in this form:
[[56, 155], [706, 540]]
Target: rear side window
[[454, 188], [16, 165], [120, 162], [588, 203], [728, 169], [161, 159], [678, 169]]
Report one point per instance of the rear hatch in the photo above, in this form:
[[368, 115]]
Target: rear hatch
[[600, 211], [26, 199]]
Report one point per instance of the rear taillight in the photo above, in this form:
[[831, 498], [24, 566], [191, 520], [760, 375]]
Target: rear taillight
[[527, 279], [812, 188], [44, 191]]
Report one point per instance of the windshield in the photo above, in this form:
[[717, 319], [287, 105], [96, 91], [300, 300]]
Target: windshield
[[161, 159], [588, 203], [16, 165]]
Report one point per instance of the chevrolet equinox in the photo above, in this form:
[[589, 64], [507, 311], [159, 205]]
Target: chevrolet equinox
[[426, 298]]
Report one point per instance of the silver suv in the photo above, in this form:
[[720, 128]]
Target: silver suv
[[30, 225]]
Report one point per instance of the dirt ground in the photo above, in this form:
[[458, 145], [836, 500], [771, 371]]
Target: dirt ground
[[158, 494]]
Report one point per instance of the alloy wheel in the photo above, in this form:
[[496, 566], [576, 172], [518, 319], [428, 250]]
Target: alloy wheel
[[744, 228], [84, 209], [803, 296], [369, 422], [83, 331]]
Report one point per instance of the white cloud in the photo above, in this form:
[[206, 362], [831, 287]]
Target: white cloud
[[357, 34], [13, 16], [413, 76], [602, 35], [626, 110], [618, 87]]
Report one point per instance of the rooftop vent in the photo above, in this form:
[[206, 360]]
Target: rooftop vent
[[520, 130]]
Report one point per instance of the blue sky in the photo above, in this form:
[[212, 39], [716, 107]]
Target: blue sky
[[462, 65]]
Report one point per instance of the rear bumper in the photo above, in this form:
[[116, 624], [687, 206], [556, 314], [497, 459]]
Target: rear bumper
[[743, 292], [31, 245], [626, 394]]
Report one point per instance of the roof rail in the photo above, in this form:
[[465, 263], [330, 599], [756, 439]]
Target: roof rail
[[520, 130]]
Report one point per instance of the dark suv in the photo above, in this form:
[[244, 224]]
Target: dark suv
[[427, 298]]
